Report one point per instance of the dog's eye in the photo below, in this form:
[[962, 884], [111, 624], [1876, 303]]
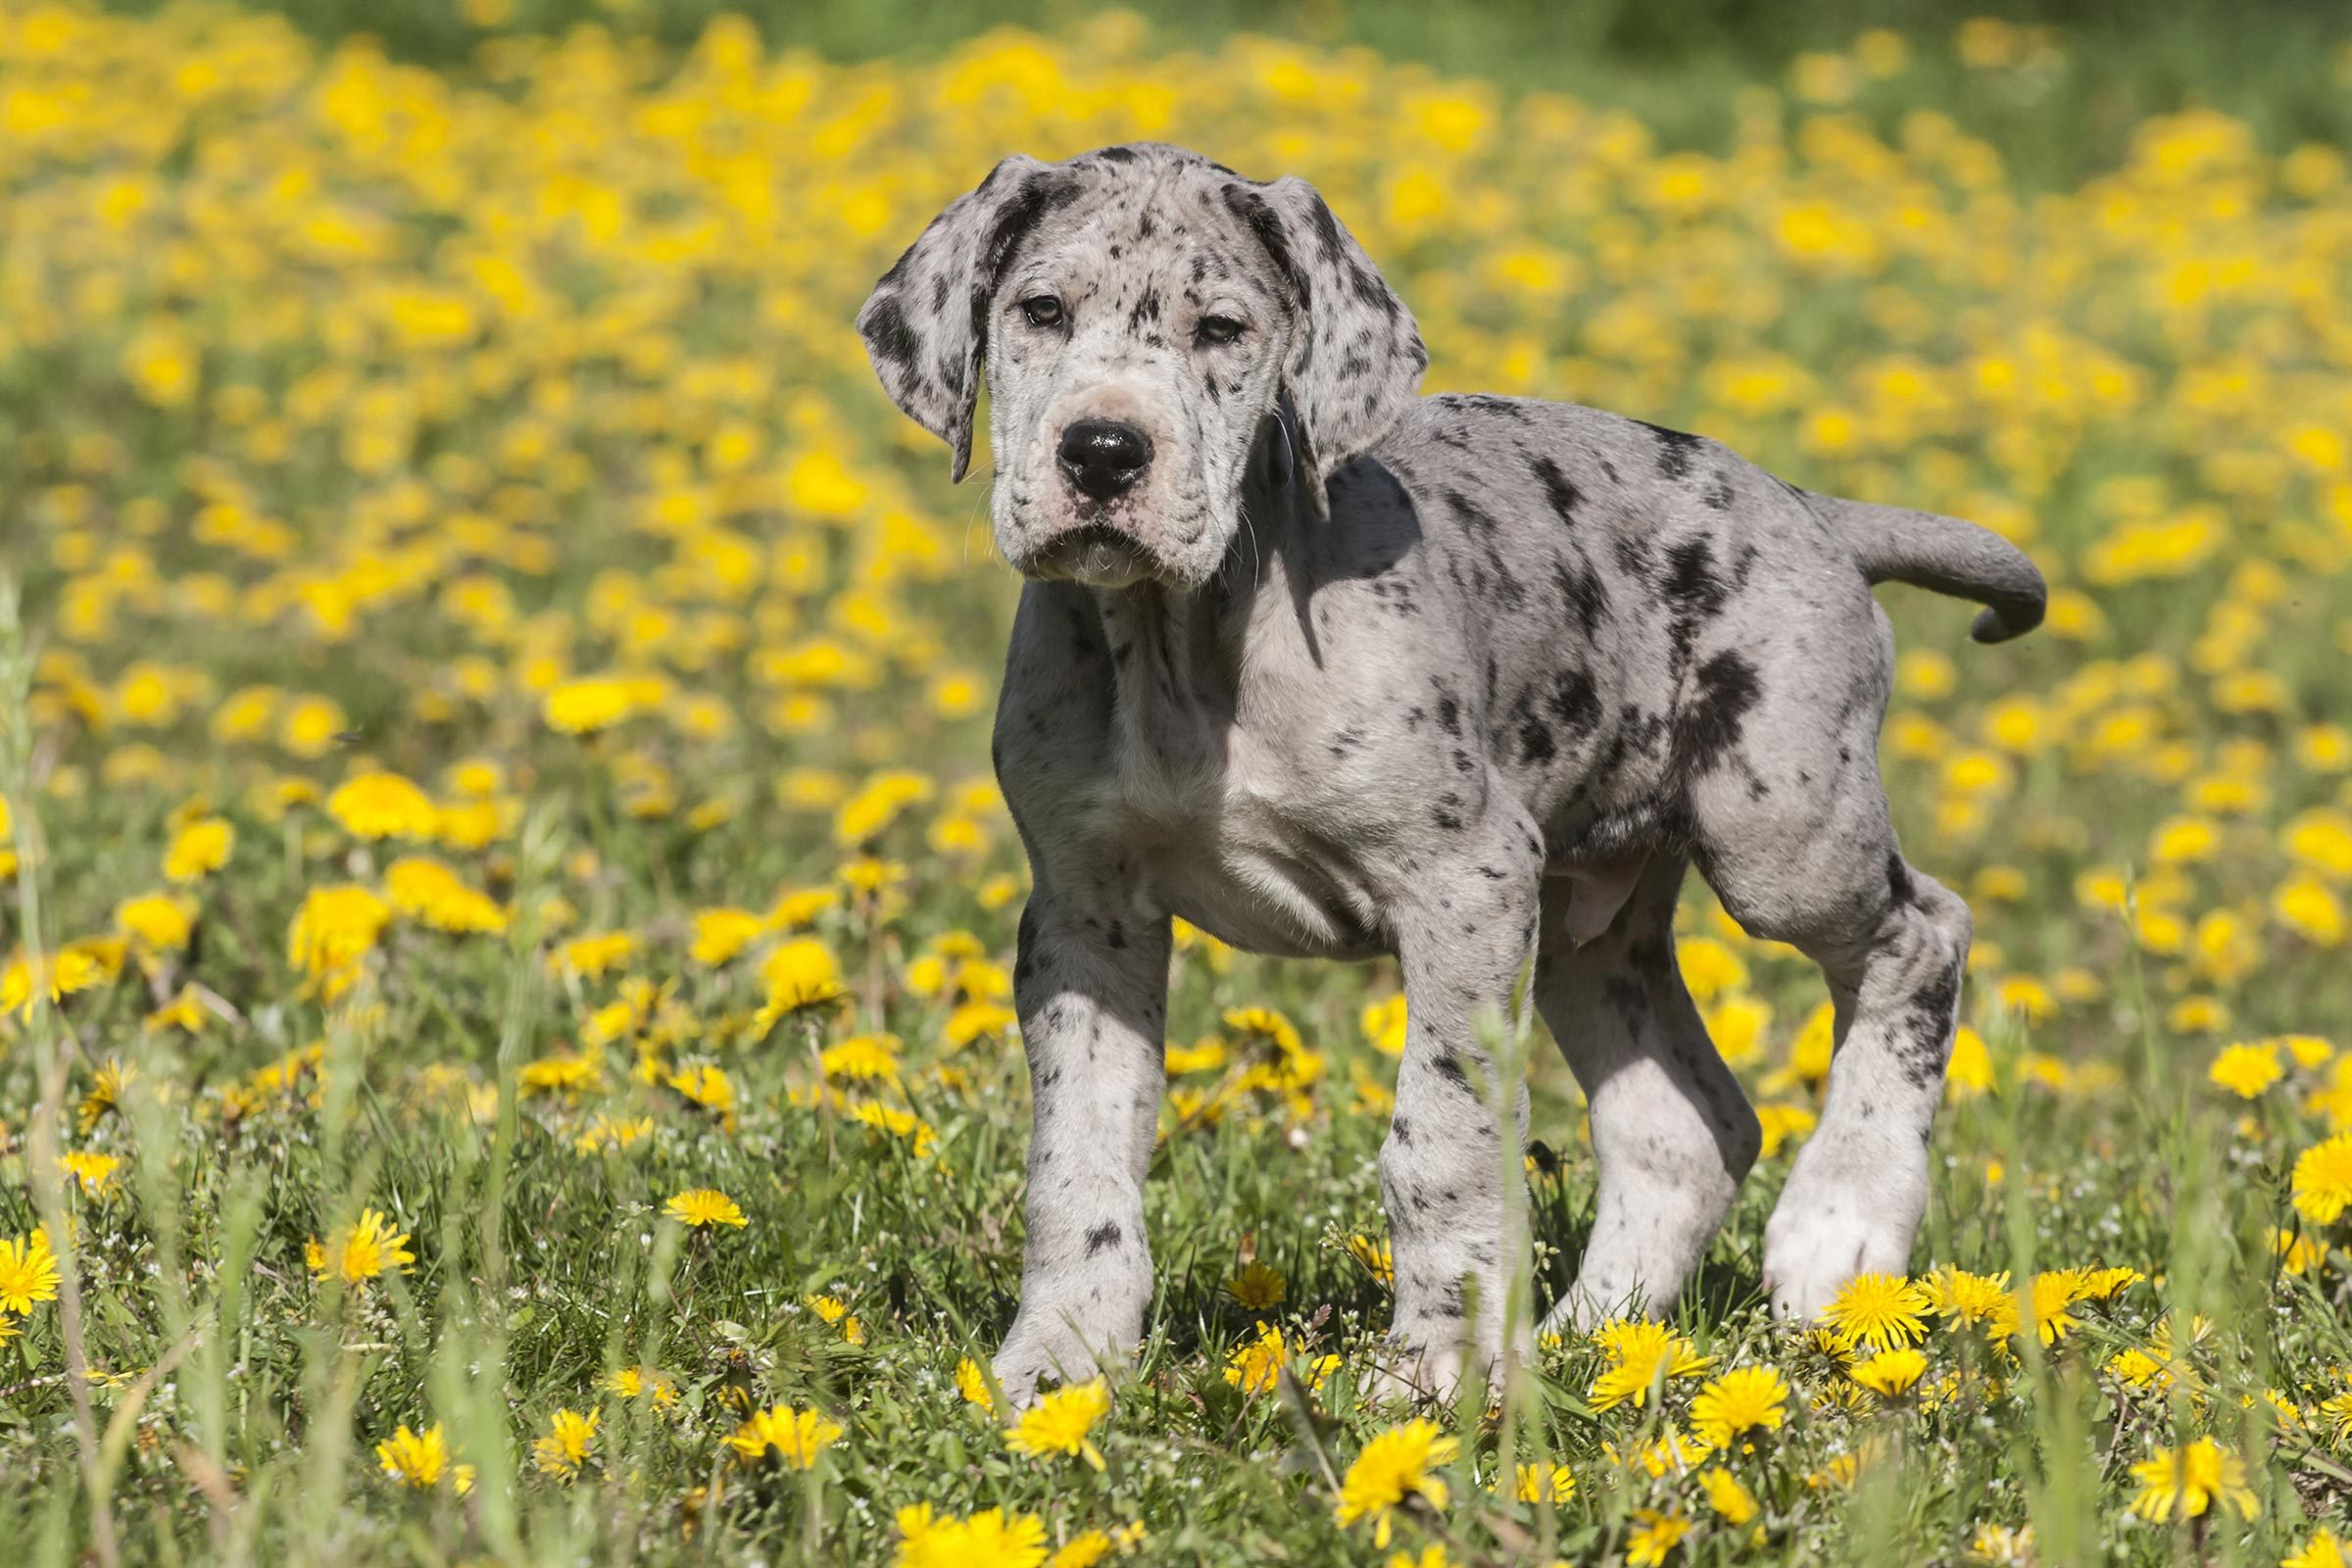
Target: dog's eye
[[1217, 329], [1042, 310]]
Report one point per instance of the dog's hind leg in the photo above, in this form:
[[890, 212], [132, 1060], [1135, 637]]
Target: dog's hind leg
[[1798, 844], [1671, 1128]]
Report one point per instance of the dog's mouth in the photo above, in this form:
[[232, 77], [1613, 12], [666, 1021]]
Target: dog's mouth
[[1095, 553]]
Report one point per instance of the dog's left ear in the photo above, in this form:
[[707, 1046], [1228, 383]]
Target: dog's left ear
[[1356, 358], [926, 325]]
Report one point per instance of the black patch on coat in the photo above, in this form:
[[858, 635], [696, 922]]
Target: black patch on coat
[[1929, 1023], [1260, 218], [1674, 449], [1103, 1237], [1575, 701], [1535, 740], [1707, 728], [1581, 590], [1559, 490], [888, 336]]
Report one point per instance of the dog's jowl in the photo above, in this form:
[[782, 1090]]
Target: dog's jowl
[[1330, 668]]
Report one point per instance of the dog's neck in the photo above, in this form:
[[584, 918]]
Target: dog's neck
[[1174, 648]]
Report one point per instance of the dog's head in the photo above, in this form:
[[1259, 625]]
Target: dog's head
[[1142, 312]]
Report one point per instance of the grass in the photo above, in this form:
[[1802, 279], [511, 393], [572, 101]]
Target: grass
[[493, 718]]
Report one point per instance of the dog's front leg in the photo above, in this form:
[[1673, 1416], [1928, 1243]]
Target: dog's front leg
[[1091, 985], [1442, 1169]]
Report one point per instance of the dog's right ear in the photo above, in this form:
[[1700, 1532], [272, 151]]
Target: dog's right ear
[[926, 325]]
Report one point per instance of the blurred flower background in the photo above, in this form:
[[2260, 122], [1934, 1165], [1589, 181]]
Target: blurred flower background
[[505, 1033]]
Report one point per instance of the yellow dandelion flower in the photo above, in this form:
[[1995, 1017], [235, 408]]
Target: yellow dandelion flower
[[2183, 1483], [1538, 1483], [794, 1436], [1393, 1471], [1732, 1501], [365, 1250], [420, 1459], [836, 1313], [93, 1171], [1890, 1374], [1881, 1310], [1640, 1355], [703, 1206], [27, 1273], [199, 849], [990, 1538], [971, 1381], [1745, 1398], [158, 921], [562, 1450], [720, 934], [592, 703], [2323, 1180], [2247, 1069], [1653, 1537], [1258, 1287], [1255, 1366], [1981, 1301], [1060, 1423], [383, 806], [863, 1058], [2321, 1549]]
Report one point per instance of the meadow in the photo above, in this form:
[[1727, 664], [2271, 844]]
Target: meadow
[[506, 1037]]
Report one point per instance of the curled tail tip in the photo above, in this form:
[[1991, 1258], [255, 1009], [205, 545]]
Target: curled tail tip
[[2002, 623]]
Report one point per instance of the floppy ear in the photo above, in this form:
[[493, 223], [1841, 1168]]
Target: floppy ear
[[1356, 358], [926, 325]]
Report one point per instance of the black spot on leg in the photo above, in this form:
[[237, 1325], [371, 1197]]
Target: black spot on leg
[[1103, 1237], [1448, 1066], [1928, 1024], [1402, 1130], [1898, 880]]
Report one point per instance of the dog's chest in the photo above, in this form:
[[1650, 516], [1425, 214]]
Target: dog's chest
[[1232, 840]]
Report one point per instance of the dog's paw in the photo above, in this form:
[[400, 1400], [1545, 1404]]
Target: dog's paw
[[1406, 1373], [1816, 1243], [1031, 1362]]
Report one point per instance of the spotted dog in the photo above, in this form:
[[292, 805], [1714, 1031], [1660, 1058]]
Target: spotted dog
[[1333, 669]]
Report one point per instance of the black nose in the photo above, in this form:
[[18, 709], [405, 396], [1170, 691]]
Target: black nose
[[1105, 457]]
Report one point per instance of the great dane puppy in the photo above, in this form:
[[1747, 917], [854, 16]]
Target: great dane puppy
[[1333, 669]]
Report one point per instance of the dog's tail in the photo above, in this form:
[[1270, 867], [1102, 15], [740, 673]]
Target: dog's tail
[[1945, 555]]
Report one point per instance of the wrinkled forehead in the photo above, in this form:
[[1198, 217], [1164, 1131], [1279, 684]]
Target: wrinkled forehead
[[1152, 241]]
